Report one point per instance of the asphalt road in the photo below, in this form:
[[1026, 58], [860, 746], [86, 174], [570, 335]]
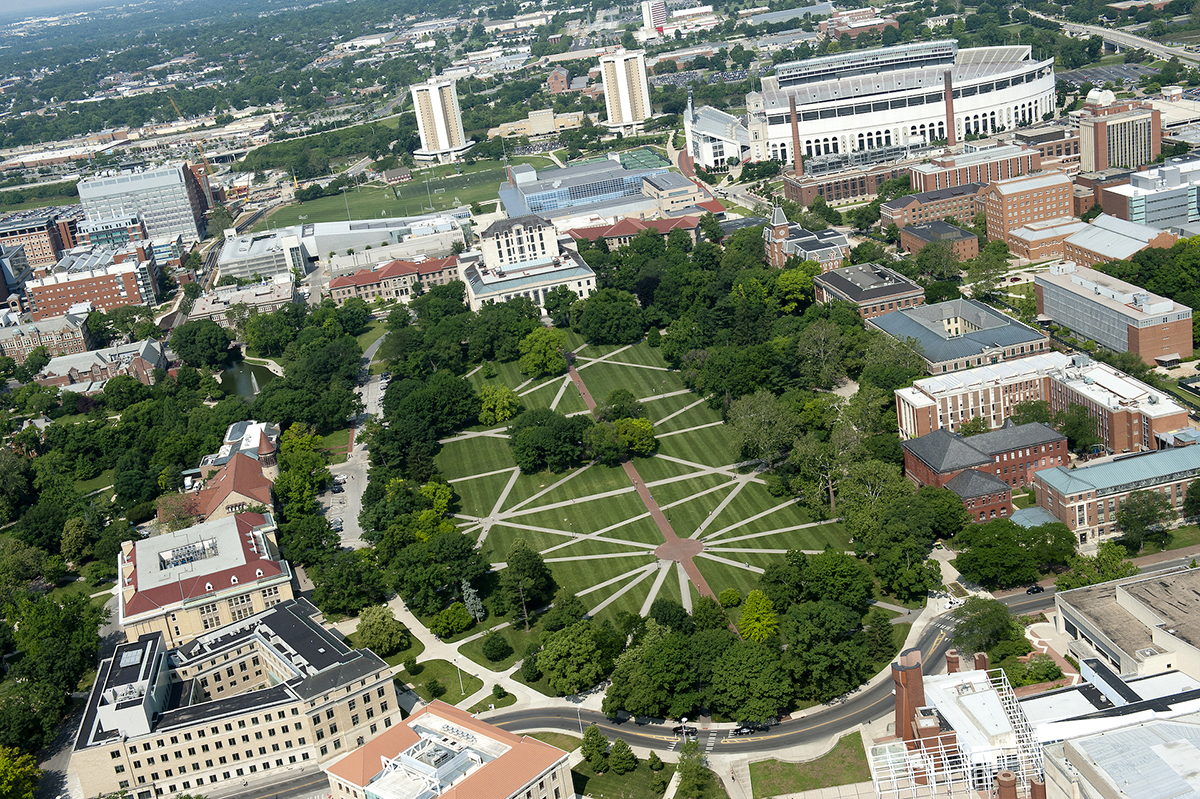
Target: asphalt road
[[860, 706]]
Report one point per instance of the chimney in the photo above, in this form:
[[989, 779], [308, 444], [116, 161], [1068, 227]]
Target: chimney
[[1037, 787], [950, 135], [910, 690], [952, 661], [981, 661], [795, 137], [1006, 785]]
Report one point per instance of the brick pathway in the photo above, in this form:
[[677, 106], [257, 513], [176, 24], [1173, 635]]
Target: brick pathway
[[680, 550]]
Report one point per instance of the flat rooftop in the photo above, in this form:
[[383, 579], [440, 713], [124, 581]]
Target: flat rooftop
[[1133, 302], [1104, 386], [867, 282], [1170, 597]]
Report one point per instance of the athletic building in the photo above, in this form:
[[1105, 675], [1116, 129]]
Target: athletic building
[[893, 97]]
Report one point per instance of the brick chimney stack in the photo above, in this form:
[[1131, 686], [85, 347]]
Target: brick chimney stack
[[951, 136], [981, 661], [1006, 785], [799, 165], [952, 661], [910, 691]]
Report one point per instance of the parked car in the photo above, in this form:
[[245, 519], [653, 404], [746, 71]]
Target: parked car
[[340, 478], [1034, 589], [337, 489], [688, 732], [745, 729]]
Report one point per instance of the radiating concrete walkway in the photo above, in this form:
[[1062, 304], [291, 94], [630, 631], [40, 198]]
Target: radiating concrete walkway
[[680, 550]]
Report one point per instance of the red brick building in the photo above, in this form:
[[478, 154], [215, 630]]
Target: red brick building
[[625, 230], [984, 495], [956, 202], [60, 335], [129, 278], [1011, 453], [393, 280], [875, 289], [558, 81], [92, 369], [982, 162], [963, 243]]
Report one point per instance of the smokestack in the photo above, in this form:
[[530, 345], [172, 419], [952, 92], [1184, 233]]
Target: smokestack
[[1006, 785], [1037, 787], [799, 166], [910, 691], [952, 661], [950, 135], [981, 661]]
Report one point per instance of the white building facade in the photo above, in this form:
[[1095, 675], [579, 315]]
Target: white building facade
[[439, 121], [626, 89], [903, 96]]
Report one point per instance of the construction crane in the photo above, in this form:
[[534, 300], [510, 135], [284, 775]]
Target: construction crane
[[208, 171]]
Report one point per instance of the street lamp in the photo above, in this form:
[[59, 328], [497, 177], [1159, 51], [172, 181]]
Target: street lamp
[[579, 719], [461, 690]]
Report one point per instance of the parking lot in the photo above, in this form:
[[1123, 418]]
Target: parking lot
[[1117, 74]]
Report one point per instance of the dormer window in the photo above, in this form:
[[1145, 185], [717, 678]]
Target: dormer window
[[233, 579], [208, 587]]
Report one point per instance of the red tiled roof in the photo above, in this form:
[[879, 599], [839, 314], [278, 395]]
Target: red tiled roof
[[242, 475], [712, 205], [194, 586], [367, 277], [497, 779], [631, 227]]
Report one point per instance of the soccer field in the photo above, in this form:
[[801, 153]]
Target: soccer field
[[446, 189]]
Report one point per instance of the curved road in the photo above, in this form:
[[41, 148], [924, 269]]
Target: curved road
[[861, 706]]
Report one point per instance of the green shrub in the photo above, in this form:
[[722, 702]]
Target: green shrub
[[730, 598], [496, 647]]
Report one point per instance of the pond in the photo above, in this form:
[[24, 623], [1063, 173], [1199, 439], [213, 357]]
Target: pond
[[245, 379]]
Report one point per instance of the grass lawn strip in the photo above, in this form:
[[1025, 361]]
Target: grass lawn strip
[[603, 378], [712, 446], [812, 536], [631, 532], [446, 674], [492, 703], [743, 506], [674, 491], [630, 598], [845, 764], [590, 481], [633, 785], [567, 743], [644, 355], [474, 456], [571, 475], [655, 469], [727, 575], [478, 497], [698, 415], [516, 636]]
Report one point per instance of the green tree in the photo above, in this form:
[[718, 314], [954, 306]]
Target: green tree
[[1029, 411], [758, 622], [380, 631], [763, 426], [219, 221], [496, 647], [33, 364], [347, 582], [559, 301], [571, 660], [636, 436], [1142, 515], [750, 683], [620, 404], [621, 758], [1107, 564], [1079, 427], [543, 352], [710, 228], [201, 342], [525, 582], [1191, 501], [595, 749], [19, 773], [611, 316], [451, 621], [980, 624], [730, 598], [498, 404], [974, 426]]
